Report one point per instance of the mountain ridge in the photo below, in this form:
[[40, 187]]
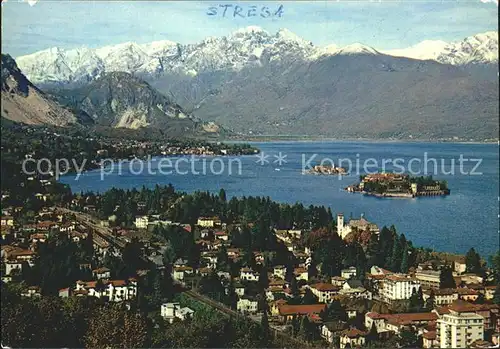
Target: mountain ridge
[[254, 82], [356, 96], [23, 102], [244, 47], [121, 100]]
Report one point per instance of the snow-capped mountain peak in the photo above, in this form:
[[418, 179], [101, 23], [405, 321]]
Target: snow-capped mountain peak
[[246, 46], [249, 30], [357, 48], [479, 48], [427, 49], [286, 34]]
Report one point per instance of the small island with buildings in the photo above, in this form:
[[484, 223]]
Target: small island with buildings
[[327, 170], [399, 185]]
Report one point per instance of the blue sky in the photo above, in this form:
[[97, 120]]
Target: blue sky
[[383, 25]]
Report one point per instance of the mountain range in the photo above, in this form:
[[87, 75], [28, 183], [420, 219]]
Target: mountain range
[[246, 47], [254, 82]]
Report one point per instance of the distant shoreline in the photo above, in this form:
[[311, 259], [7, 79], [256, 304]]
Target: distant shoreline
[[275, 139]]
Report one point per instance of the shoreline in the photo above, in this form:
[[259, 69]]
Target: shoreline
[[300, 139], [399, 195]]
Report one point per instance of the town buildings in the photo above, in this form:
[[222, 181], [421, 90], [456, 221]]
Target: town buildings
[[361, 224], [172, 311], [398, 287], [459, 328]]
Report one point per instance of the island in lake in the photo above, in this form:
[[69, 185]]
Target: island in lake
[[399, 185], [327, 170]]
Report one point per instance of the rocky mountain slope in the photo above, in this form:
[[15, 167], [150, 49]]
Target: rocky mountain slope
[[23, 102], [120, 99]]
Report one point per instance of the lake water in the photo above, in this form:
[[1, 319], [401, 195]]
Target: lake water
[[466, 218]]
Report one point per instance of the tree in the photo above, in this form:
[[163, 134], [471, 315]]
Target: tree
[[304, 328], [431, 301], [232, 297], [408, 339], [473, 262], [404, 262], [294, 288], [132, 257], [113, 327], [309, 297], [335, 311], [496, 296], [19, 328], [386, 242], [416, 301], [372, 251], [222, 195], [495, 267], [263, 281], [446, 279], [264, 324], [373, 334], [397, 253], [161, 289], [222, 259], [480, 299]]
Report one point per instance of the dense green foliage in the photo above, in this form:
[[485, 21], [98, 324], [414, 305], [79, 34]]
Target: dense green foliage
[[53, 322], [446, 279]]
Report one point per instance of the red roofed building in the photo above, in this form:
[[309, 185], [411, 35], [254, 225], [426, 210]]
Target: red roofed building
[[490, 312], [113, 290], [221, 235], [324, 291], [460, 326], [22, 255], [186, 227], [46, 225], [352, 338], [430, 339], [288, 312], [394, 322]]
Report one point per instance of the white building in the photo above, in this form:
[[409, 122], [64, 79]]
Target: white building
[[141, 222], [10, 266], [442, 296], [398, 287], [239, 289], [428, 278], [342, 229], [295, 233], [348, 273], [209, 222], [179, 273], [279, 271], [360, 224], [248, 274], [31, 291], [172, 311], [301, 274], [352, 338], [459, 266], [114, 290], [459, 329], [247, 305], [101, 273], [375, 318], [324, 291]]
